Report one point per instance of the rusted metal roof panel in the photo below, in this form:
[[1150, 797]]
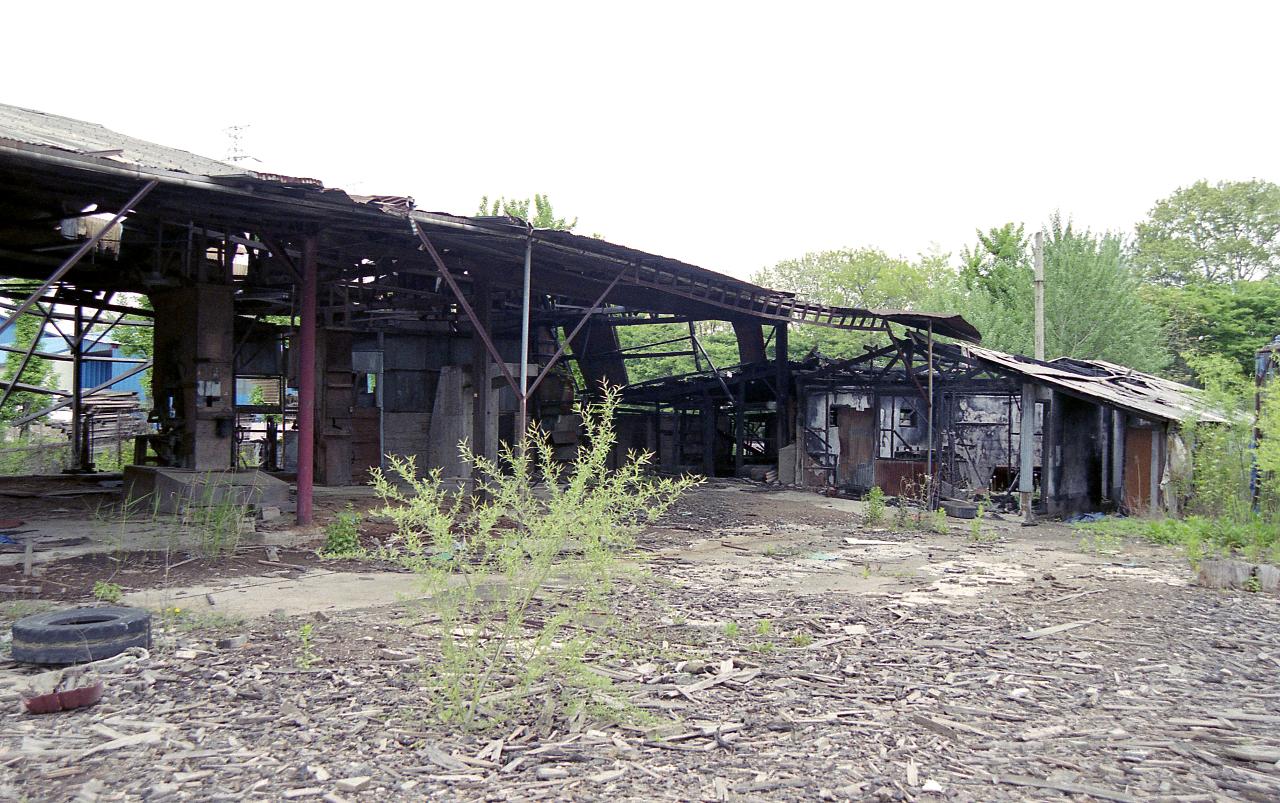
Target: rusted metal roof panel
[[587, 259], [90, 139], [1144, 394]]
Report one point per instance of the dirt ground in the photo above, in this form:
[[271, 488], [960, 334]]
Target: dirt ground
[[788, 652]]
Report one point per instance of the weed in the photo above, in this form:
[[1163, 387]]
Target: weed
[[1198, 536], [1102, 542], [109, 593], [763, 647], [519, 574], [731, 629], [306, 647], [764, 627], [940, 522], [875, 506], [217, 516], [342, 535], [801, 639], [975, 526], [866, 571], [1253, 584]]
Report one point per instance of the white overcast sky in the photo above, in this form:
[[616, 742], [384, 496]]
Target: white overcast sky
[[730, 135]]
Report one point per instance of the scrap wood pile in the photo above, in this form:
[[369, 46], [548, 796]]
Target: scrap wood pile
[[1117, 691]]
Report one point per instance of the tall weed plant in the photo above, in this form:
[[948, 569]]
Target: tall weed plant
[[520, 570]]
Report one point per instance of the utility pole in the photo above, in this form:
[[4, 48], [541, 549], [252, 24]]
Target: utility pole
[[1038, 255]]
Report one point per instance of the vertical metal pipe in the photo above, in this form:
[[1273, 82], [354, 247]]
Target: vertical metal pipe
[[740, 428], [77, 388], [783, 382], [379, 400], [523, 423], [929, 458], [307, 383]]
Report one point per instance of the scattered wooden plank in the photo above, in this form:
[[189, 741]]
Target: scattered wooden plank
[[1055, 629], [1066, 787]]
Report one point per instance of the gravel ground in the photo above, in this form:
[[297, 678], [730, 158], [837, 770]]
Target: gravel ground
[[779, 651]]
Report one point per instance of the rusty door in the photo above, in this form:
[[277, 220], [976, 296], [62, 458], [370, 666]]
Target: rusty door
[[857, 443], [1137, 470], [365, 439]]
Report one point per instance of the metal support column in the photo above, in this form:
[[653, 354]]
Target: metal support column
[[77, 388], [307, 382], [739, 428], [933, 486], [522, 424], [480, 382], [709, 437], [783, 382]]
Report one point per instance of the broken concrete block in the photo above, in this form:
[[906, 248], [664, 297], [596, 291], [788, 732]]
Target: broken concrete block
[[1268, 578], [354, 784], [1237, 574]]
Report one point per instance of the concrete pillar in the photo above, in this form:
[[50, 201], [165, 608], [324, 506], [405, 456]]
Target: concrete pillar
[[1027, 450], [193, 380]]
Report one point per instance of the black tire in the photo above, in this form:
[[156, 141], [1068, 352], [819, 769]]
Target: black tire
[[79, 635]]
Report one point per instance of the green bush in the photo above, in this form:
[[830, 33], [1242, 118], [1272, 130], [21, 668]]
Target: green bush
[[342, 535], [519, 573], [875, 506]]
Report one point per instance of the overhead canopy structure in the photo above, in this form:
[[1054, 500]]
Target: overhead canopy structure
[[61, 162], [86, 213]]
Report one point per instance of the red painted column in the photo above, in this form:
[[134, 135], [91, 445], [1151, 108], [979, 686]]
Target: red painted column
[[307, 382]]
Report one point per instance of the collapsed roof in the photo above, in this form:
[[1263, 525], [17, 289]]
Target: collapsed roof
[[59, 166]]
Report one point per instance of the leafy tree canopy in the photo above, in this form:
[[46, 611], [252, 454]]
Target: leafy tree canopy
[[1094, 308], [543, 217], [26, 330], [1231, 320], [1221, 233]]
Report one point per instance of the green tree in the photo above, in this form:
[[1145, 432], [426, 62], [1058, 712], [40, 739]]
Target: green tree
[[1224, 232], [999, 262], [543, 217], [863, 277], [1230, 320], [137, 341], [1094, 307], [26, 330]]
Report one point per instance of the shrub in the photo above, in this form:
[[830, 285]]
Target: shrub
[[342, 535], [875, 506], [104, 591], [520, 571]]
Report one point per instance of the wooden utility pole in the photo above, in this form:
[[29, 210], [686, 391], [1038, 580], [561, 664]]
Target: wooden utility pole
[[1039, 284]]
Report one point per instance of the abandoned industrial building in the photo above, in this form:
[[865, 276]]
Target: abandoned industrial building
[[328, 330]]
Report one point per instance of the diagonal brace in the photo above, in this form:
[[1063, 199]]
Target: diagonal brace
[[466, 307], [593, 309], [79, 254]]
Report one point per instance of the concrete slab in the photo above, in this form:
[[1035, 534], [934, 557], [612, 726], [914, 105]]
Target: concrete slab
[[172, 490], [301, 593]]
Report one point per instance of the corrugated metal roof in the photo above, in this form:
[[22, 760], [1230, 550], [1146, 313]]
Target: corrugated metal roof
[[97, 147], [1144, 394], [64, 133]]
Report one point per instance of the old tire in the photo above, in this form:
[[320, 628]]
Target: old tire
[[79, 635]]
